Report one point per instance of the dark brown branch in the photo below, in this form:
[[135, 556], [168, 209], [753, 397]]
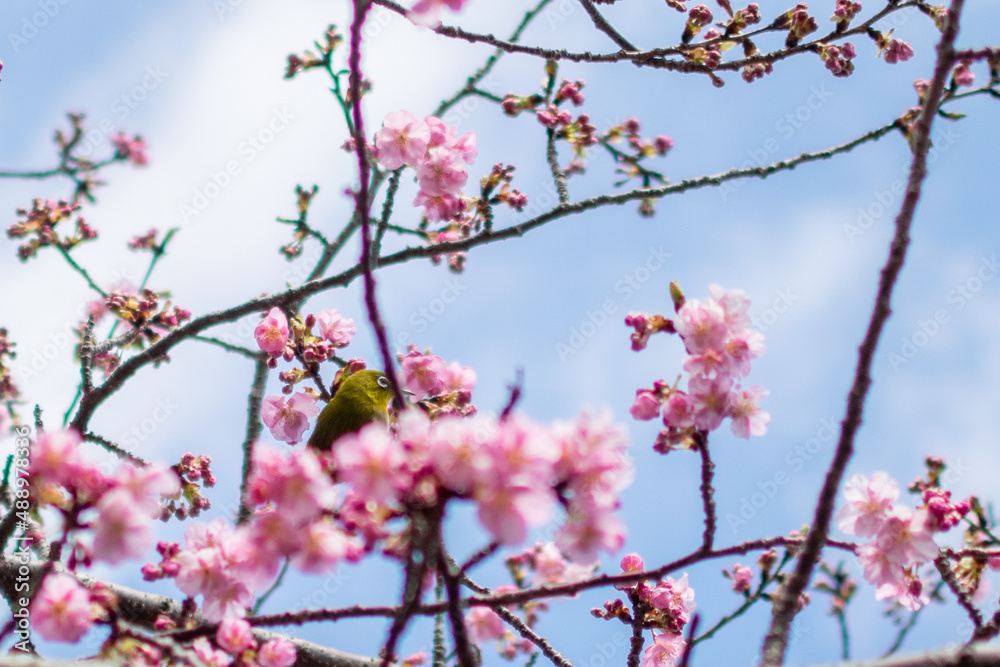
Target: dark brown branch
[[776, 641], [253, 429], [707, 492]]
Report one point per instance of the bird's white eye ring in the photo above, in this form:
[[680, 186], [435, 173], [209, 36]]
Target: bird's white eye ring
[[383, 382]]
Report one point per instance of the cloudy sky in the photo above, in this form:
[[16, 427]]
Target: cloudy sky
[[198, 80]]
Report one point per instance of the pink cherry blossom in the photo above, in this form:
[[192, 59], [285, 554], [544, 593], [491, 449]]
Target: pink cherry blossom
[[133, 150], [675, 598], [678, 411], [55, 457], [711, 400], [507, 510], [877, 567], [371, 461], [942, 514], [632, 563], [442, 172], [466, 147], [294, 482], [234, 635], [459, 452], [61, 610], [709, 363], [210, 655], [552, 569], [741, 349], [868, 504], [323, 547], [272, 332], [646, 405], [594, 461], [593, 530], [742, 578], [287, 421], [442, 136], [458, 377], [665, 650], [336, 328], [277, 653], [423, 374], [484, 625], [441, 207], [122, 528], [148, 485], [734, 304], [402, 140], [744, 410], [910, 594], [905, 538], [701, 325]]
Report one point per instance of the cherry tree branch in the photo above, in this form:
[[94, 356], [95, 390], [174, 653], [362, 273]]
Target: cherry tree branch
[[776, 640]]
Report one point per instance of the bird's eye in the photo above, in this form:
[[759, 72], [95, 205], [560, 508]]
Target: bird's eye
[[383, 382]]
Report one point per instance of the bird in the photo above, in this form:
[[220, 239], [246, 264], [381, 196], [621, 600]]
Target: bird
[[362, 398]]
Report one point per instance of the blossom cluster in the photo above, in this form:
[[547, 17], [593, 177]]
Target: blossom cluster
[[902, 538], [440, 389], [436, 153], [114, 509], [278, 338], [107, 517], [133, 150], [666, 608], [720, 346], [40, 223], [515, 471], [228, 566]]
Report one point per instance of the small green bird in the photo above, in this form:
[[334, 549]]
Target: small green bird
[[361, 399]]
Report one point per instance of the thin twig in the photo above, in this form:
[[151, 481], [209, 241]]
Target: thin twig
[[117, 450], [601, 24]]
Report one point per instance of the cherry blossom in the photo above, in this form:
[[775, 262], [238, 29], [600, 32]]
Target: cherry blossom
[[288, 420], [61, 610], [271, 333]]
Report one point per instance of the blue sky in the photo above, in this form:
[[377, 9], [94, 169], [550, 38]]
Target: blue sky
[[806, 246]]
